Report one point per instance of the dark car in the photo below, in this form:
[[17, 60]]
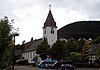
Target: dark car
[[56, 65], [67, 67], [59, 63]]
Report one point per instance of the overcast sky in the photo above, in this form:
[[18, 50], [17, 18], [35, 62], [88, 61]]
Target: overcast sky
[[30, 15]]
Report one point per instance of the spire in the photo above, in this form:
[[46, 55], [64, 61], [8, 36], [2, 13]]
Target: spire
[[50, 20]]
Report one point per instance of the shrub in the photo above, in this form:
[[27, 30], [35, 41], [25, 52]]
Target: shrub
[[96, 65], [82, 65], [22, 62]]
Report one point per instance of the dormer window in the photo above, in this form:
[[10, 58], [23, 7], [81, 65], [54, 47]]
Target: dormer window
[[52, 31]]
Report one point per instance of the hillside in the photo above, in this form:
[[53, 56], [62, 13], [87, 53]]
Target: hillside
[[81, 29]]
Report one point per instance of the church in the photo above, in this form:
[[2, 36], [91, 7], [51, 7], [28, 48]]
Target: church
[[49, 32]]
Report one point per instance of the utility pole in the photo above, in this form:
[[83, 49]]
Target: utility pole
[[15, 33]]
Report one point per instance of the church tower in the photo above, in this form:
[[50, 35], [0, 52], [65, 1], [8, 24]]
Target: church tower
[[50, 29]]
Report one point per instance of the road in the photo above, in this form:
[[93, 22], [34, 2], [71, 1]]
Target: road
[[35, 68], [29, 68]]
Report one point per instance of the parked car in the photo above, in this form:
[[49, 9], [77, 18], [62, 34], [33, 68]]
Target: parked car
[[22, 62], [59, 63], [67, 67], [46, 63], [19, 60], [56, 65]]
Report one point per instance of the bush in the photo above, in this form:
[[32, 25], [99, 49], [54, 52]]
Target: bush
[[82, 65], [87, 65], [22, 62], [96, 65], [34, 64]]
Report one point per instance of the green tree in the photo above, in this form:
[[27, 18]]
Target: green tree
[[98, 54], [85, 51], [5, 44], [23, 45], [81, 43], [18, 51], [58, 50], [43, 49], [72, 45], [96, 41], [74, 56]]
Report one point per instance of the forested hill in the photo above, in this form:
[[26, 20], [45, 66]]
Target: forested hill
[[80, 29]]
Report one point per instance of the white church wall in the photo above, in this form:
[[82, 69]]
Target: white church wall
[[29, 56], [51, 38]]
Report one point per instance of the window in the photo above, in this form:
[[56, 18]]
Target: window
[[52, 31], [44, 30], [30, 54], [27, 55]]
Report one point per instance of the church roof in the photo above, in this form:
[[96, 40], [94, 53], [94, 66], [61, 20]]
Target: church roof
[[32, 45], [50, 21]]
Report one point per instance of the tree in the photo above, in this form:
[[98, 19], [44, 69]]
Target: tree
[[97, 40], [23, 45], [81, 43], [74, 56], [58, 50], [98, 54], [18, 51], [5, 44], [85, 51], [43, 49], [72, 45]]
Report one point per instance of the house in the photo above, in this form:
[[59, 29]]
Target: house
[[30, 50], [93, 51]]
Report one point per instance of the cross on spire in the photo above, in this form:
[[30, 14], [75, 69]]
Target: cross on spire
[[49, 7]]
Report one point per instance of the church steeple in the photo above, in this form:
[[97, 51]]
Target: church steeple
[[50, 29], [50, 20]]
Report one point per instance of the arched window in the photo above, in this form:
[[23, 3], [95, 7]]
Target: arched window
[[44, 30], [52, 31]]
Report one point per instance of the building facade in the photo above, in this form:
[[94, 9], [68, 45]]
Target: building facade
[[30, 50], [29, 56]]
